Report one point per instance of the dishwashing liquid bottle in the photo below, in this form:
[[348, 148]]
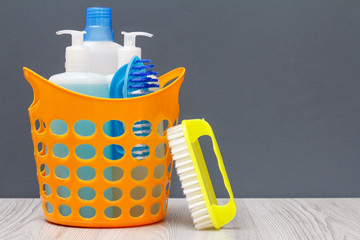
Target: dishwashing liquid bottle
[[78, 79]]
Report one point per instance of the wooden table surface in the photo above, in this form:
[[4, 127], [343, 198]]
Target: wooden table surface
[[256, 219]]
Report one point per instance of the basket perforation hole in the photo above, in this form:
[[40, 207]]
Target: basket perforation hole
[[40, 146], [84, 128], [175, 123], [87, 212], [142, 128], [44, 170], [139, 173], [86, 193], [85, 151], [49, 208], [62, 172], [113, 194], [42, 149], [165, 205], [112, 212], [156, 191], [39, 126], [155, 208], [113, 152], [138, 193], [140, 151], [64, 210], [113, 173], [86, 173], [114, 128], [63, 192], [167, 188], [46, 189], [170, 167], [60, 150], [137, 211], [159, 171], [161, 150], [162, 127], [58, 127]]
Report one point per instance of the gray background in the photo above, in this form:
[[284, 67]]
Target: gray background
[[279, 82]]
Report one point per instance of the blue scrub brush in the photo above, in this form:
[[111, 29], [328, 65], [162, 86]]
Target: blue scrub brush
[[134, 80]]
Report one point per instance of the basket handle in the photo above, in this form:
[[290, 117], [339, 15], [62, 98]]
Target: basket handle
[[176, 74], [33, 78]]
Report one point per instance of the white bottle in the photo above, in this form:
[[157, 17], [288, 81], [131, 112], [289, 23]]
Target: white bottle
[[128, 51], [78, 78], [99, 38]]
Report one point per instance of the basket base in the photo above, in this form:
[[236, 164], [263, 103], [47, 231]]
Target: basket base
[[109, 224]]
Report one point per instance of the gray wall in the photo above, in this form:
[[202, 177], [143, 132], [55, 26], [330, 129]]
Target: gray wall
[[279, 82]]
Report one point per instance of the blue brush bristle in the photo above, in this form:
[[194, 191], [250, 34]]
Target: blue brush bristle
[[144, 67], [141, 79], [144, 79]]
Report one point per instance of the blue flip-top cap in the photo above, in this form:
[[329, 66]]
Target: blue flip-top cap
[[98, 24]]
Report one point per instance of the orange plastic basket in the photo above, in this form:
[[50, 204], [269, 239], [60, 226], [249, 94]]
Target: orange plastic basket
[[140, 189]]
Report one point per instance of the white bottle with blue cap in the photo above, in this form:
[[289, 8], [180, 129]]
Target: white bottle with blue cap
[[99, 38]]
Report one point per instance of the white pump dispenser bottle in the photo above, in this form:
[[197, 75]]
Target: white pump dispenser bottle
[[78, 79], [129, 49], [77, 66]]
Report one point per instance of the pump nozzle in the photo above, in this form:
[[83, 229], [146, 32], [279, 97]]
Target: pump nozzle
[[77, 55], [129, 37], [130, 50], [76, 36]]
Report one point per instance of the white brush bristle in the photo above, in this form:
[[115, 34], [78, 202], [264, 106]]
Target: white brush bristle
[[189, 181]]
